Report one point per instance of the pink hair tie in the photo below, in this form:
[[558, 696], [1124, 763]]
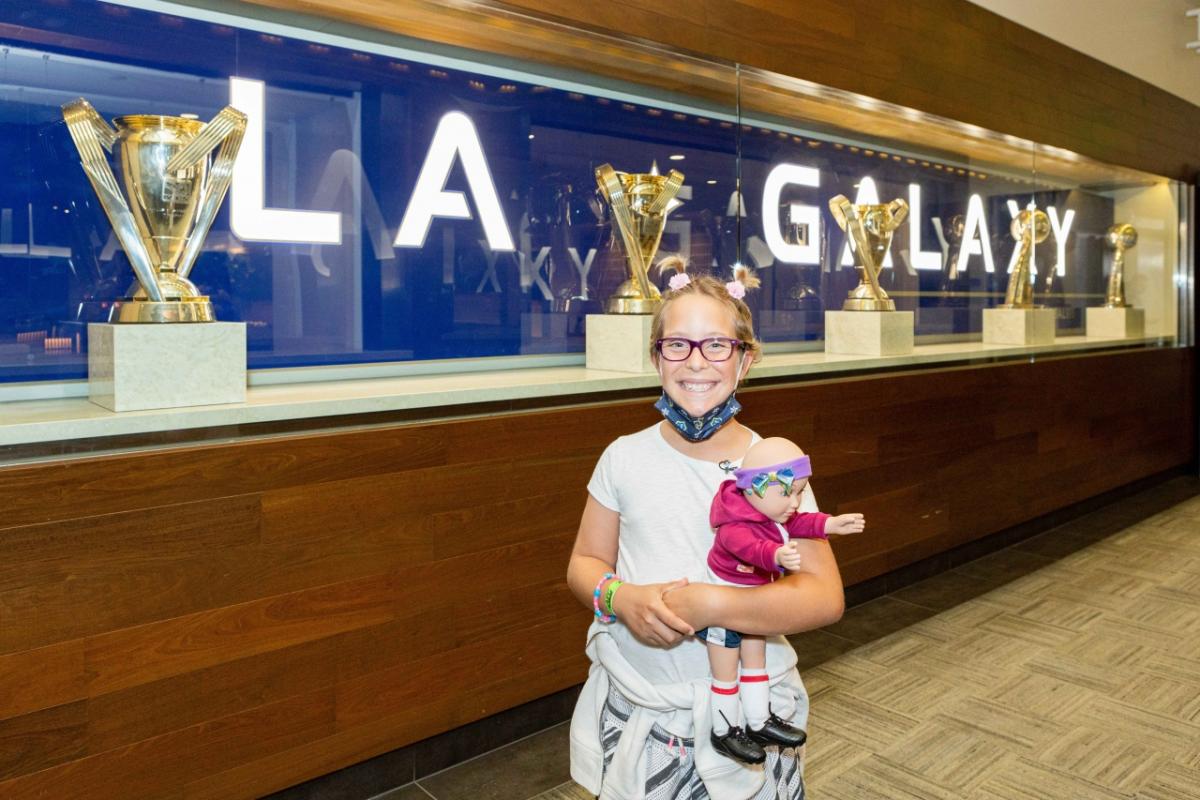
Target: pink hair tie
[[678, 281], [736, 289]]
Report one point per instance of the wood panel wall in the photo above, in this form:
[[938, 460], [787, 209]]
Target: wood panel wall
[[945, 57], [226, 620]]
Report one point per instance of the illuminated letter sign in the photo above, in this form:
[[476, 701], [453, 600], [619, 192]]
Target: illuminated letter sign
[[976, 240], [248, 218], [920, 259], [799, 214], [455, 137], [1061, 231]]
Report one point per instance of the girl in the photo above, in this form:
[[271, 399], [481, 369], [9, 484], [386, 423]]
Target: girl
[[641, 726]]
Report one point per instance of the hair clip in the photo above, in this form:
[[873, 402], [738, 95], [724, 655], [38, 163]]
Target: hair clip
[[678, 281], [736, 289]]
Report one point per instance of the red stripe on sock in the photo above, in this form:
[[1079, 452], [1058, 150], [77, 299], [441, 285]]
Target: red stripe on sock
[[718, 690], [753, 678]]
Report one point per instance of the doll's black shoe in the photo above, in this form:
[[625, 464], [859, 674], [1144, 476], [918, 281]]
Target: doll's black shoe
[[737, 745], [777, 732]]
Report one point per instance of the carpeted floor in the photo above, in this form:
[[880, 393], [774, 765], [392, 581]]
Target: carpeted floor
[[1078, 680], [1064, 668]]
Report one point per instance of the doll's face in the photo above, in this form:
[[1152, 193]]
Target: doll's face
[[777, 503]]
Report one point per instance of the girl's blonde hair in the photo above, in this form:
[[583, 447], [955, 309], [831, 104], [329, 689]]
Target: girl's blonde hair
[[743, 322]]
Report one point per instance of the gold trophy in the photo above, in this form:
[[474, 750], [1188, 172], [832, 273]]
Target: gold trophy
[[953, 231], [174, 192], [1119, 238], [869, 229], [640, 203], [1030, 227]]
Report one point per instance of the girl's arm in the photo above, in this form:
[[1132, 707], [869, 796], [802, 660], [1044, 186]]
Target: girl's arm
[[638, 606], [799, 601]]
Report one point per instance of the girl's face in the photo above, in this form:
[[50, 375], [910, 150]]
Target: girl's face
[[698, 385]]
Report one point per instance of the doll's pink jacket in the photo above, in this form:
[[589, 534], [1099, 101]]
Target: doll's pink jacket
[[744, 549]]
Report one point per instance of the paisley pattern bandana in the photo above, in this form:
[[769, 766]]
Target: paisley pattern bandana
[[757, 479], [697, 429]]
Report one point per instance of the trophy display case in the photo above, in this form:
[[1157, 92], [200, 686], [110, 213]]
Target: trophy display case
[[434, 206]]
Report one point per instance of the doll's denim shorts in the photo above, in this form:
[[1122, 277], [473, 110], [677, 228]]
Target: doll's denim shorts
[[721, 636]]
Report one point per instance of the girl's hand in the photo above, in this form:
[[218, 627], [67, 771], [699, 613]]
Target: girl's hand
[[696, 602], [845, 523], [641, 608], [788, 556]]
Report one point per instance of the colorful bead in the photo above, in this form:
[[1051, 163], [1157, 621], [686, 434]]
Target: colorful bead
[[600, 615]]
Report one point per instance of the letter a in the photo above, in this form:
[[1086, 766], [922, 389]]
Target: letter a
[[455, 137]]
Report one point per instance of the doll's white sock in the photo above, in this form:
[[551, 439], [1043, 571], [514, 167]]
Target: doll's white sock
[[724, 701], [756, 697]]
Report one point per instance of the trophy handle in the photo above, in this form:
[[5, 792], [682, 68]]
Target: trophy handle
[[90, 132], [898, 209], [610, 184], [841, 208], [226, 129], [670, 189]]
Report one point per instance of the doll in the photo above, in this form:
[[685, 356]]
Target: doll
[[756, 518]]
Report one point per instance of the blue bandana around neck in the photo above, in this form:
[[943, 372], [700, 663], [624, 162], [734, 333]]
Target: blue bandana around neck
[[697, 429]]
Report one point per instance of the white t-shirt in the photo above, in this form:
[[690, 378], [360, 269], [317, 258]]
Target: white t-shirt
[[663, 498]]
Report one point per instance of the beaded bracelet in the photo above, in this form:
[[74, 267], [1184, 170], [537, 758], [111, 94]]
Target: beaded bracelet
[[600, 615]]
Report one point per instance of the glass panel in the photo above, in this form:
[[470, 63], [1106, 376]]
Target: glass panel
[[418, 201], [329, 247], [952, 257]]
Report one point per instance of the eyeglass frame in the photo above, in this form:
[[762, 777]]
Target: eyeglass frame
[[694, 344]]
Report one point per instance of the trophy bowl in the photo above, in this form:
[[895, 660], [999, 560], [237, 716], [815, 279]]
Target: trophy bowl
[[640, 203], [172, 190], [869, 230], [1030, 227], [1118, 238], [164, 211]]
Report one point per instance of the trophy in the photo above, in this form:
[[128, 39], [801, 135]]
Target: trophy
[[1030, 227], [953, 233], [173, 190], [640, 203], [869, 230], [1119, 238]]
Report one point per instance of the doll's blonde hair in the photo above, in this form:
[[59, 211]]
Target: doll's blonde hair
[[743, 322]]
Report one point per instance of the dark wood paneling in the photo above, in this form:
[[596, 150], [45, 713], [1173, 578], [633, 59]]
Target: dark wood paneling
[[231, 619], [945, 57], [40, 678]]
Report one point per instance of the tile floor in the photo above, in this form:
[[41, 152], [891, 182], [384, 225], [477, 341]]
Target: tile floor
[[1065, 667]]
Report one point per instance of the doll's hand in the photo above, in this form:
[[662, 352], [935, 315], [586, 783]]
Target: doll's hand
[[845, 523], [641, 608], [788, 557]]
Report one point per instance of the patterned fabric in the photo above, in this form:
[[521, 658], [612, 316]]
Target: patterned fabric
[[697, 429], [671, 767]]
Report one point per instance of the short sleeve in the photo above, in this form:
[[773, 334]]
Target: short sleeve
[[603, 485]]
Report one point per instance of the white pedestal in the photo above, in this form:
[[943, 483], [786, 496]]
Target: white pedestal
[[136, 367], [1115, 323], [869, 333], [1019, 326], [619, 342]]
